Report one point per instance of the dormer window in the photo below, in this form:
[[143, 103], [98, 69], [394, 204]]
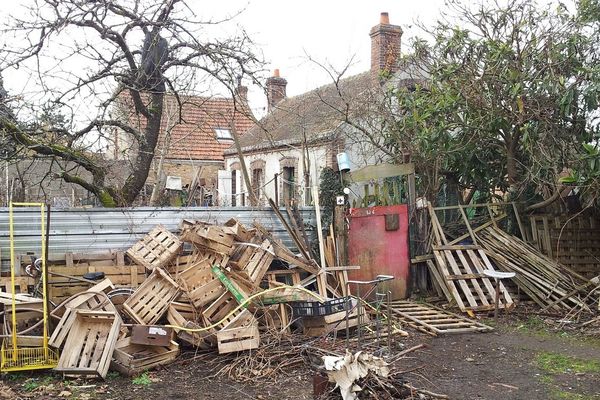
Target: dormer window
[[223, 134]]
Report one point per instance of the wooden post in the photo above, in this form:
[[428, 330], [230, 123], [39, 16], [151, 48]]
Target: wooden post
[[322, 275], [341, 234], [276, 183]]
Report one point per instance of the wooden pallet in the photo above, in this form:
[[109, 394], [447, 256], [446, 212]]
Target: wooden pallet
[[90, 343], [156, 249], [133, 359], [63, 266], [462, 268], [151, 300], [87, 300], [433, 320]]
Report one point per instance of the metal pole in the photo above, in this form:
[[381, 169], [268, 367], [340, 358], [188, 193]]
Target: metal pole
[[389, 316], [497, 302], [358, 309]]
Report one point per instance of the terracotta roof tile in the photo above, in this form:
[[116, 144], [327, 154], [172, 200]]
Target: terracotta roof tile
[[194, 136]]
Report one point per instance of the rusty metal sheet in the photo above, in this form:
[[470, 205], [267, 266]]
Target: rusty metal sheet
[[377, 249]]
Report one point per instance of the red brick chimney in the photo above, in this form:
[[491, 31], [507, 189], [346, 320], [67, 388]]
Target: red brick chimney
[[385, 47], [275, 89]]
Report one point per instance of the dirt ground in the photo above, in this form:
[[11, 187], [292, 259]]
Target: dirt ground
[[522, 359]]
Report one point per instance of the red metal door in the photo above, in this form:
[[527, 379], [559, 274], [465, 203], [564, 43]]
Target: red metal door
[[378, 243]]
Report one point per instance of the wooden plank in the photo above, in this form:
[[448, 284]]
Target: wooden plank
[[380, 171], [441, 263]]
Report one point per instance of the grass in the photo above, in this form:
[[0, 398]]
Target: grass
[[560, 364], [112, 375], [30, 386], [142, 380]]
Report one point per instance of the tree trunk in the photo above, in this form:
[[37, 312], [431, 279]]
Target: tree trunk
[[136, 181]]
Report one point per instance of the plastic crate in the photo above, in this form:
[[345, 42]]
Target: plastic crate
[[316, 309]]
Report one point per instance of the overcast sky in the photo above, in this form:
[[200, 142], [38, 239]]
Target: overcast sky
[[288, 32], [332, 31]]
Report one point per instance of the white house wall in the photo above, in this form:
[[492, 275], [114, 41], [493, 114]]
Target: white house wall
[[317, 155]]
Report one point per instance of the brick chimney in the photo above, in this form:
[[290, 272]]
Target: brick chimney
[[241, 92], [275, 89], [385, 46]]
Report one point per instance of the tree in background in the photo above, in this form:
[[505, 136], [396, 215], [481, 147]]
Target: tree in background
[[87, 56], [500, 99]]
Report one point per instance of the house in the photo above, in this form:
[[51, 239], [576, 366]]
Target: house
[[195, 130], [285, 152]]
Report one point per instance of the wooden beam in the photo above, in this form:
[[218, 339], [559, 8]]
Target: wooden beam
[[381, 171]]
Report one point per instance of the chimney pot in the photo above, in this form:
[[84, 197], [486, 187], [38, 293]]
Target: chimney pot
[[384, 19], [276, 72]]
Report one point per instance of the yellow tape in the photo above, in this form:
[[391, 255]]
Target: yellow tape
[[245, 302]]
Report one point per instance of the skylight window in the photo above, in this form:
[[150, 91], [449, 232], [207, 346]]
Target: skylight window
[[223, 133]]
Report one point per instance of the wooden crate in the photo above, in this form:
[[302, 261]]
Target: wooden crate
[[203, 339], [151, 335], [133, 359], [156, 249], [151, 300], [208, 237], [238, 339], [90, 302], [323, 325], [90, 343], [258, 264]]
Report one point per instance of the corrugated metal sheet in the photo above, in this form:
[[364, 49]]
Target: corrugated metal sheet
[[97, 229]]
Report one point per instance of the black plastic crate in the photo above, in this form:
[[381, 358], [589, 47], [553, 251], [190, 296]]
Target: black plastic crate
[[316, 309]]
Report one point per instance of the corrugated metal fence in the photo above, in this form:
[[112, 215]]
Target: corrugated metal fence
[[97, 229]]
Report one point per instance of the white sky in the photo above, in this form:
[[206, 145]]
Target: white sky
[[329, 31], [287, 32]]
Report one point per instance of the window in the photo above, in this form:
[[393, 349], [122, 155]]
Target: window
[[223, 134], [258, 179], [289, 181]]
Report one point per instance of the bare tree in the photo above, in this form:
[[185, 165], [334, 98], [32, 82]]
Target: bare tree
[[88, 58]]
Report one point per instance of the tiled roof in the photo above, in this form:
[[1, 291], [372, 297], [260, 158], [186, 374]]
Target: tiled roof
[[316, 114], [194, 137]]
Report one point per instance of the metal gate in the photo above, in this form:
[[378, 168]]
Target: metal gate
[[378, 241]]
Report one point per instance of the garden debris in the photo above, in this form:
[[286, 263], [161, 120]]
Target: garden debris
[[347, 370], [463, 251], [222, 295], [547, 282]]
